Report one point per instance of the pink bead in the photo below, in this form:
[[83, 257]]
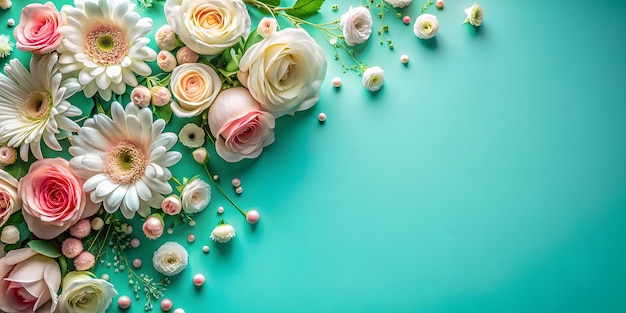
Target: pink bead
[[252, 216], [236, 182], [406, 19], [404, 59], [137, 263], [166, 304], [124, 302], [321, 117], [337, 82], [439, 4], [239, 190], [198, 280], [191, 238], [220, 209], [135, 243]]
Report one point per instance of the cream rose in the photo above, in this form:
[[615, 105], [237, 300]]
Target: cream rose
[[196, 196], [241, 128], [83, 293], [208, 26], [9, 200], [356, 25], [170, 259], [426, 26], [284, 71], [29, 282], [194, 86]]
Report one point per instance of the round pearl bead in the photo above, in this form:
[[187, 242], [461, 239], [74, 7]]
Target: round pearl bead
[[191, 238], [337, 82], [205, 249], [166, 304], [179, 310], [406, 19], [439, 4], [236, 182], [198, 280], [404, 59], [137, 263], [252, 216], [135, 243], [321, 117], [220, 209], [123, 302]]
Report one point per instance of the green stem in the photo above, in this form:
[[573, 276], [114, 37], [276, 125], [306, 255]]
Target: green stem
[[206, 168]]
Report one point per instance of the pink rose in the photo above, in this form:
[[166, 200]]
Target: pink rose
[[171, 205], [160, 96], [9, 200], [53, 198], [141, 96], [29, 282], [186, 55], [153, 226], [38, 29], [240, 127], [166, 61]]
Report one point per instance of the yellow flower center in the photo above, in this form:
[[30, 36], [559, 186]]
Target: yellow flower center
[[38, 104], [106, 44], [125, 163]]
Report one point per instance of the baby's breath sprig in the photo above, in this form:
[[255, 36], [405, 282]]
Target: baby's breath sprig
[[425, 6], [145, 4], [384, 28]]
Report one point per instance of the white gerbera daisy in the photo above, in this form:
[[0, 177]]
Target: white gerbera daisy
[[105, 41], [34, 105], [124, 160]]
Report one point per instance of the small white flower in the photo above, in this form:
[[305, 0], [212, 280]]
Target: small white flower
[[223, 233], [191, 135], [373, 78], [196, 196], [6, 45], [170, 259], [356, 25], [399, 3], [10, 235], [475, 15], [426, 26]]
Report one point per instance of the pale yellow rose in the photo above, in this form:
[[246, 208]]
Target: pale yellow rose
[[83, 293]]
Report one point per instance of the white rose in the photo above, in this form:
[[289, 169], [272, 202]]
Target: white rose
[[356, 25], [195, 86], [10, 235], [399, 3], [373, 78], [208, 26], [83, 293], [170, 259], [284, 71], [196, 196], [426, 26]]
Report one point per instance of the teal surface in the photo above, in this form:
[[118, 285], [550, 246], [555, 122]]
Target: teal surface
[[488, 175]]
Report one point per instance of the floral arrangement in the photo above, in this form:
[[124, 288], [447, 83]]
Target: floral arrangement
[[106, 167]]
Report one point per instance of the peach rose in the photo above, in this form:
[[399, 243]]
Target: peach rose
[[239, 125], [9, 200], [38, 29], [29, 282], [53, 198], [194, 86]]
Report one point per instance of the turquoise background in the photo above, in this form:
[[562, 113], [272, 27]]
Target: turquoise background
[[488, 175]]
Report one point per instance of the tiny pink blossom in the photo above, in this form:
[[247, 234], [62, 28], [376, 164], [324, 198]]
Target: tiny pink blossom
[[171, 205], [81, 229], [166, 61], [153, 226], [141, 96], [71, 247], [165, 38], [84, 261], [160, 96], [186, 55]]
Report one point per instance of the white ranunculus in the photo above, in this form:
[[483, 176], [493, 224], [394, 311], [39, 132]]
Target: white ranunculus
[[356, 25], [196, 196], [373, 78], [223, 233], [284, 71], [399, 3], [475, 15], [426, 26], [170, 259], [83, 293], [208, 26]]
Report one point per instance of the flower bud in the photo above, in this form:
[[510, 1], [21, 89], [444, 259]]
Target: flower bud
[[266, 26], [141, 96], [166, 61], [160, 96], [10, 235], [201, 155], [186, 55], [171, 205], [165, 38], [153, 226]]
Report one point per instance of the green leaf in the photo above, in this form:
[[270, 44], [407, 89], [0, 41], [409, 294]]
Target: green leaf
[[305, 8], [252, 39], [63, 265], [163, 112], [18, 169], [47, 248], [271, 2]]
